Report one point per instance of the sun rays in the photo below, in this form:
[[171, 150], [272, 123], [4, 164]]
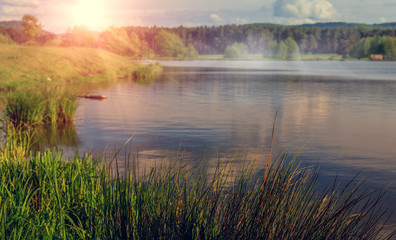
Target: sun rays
[[89, 13]]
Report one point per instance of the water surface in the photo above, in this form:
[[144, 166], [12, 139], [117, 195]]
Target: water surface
[[341, 115]]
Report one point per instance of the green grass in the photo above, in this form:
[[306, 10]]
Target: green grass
[[256, 57], [43, 196], [28, 67], [52, 105], [40, 84], [260, 57], [24, 108], [320, 57], [147, 74]]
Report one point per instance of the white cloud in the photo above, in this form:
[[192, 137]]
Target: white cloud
[[305, 9], [292, 21], [216, 19], [382, 19], [241, 21]]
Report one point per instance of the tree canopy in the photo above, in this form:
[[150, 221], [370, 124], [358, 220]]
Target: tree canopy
[[236, 50], [384, 45], [168, 44], [32, 28], [116, 40]]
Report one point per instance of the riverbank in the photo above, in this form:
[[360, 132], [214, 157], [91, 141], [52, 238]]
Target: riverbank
[[40, 84], [303, 57], [26, 67]]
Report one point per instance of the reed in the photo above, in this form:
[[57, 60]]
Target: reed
[[146, 74], [43, 196], [24, 108], [60, 103], [52, 105]]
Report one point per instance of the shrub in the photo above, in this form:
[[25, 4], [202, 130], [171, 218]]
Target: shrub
[[237, 50], [5, 39]]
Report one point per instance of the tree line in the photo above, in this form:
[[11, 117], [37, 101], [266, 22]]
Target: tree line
[[263, 39], [116, 40], [187, 42]]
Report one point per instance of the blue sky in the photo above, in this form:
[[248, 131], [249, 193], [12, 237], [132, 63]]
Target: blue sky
[[57, 15]]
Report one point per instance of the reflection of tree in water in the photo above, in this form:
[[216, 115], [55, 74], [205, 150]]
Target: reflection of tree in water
[[55, 136]]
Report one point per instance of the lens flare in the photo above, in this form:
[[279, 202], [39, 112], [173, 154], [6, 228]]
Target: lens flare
[[89, 13]]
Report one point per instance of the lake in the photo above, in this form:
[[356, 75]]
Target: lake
[[340, 115]]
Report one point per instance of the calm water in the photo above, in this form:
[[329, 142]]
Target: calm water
[[340, 114]]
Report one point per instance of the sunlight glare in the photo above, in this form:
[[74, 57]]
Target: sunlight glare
[[89, 13]]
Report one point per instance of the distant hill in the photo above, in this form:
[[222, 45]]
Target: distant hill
[[267, 24], [11, 24], [17, 25], [391, 25], [386, 25], [348, 25]]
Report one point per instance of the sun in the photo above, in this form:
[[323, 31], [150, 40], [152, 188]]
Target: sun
[[89, 13]]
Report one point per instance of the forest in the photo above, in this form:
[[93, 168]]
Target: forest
[[234, 41], [266, 39]]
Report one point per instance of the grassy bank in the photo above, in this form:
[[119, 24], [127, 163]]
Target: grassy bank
[[260, 57], [24, 67], [44, 197], [40, 84]]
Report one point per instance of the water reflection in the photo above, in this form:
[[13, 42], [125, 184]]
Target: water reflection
[[55, 136], [341, 113], [342, 118]]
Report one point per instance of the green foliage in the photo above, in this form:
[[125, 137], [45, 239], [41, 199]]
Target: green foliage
[[333, 39], [272, 49], [322, 57], [34, 67], [52, 105], [191, 52], [116, 40], [31, 27], [376, 45], [259, 37], [5, 39], [362, 49], [44, 197], [147, 74], [293, 51], [288, 49], [282, 50], [237, 50], [168, 44], [24, 108]]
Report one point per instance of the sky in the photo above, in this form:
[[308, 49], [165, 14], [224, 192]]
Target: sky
[[57, 15]]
